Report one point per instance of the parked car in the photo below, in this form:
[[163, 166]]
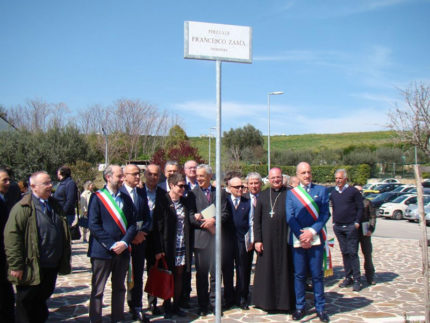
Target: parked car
[[381, 188], [370, 186], [404, 188], [411, 212], [384, 198], [390, 180], [397, 207]]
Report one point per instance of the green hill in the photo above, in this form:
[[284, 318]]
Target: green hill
[[309, 141]]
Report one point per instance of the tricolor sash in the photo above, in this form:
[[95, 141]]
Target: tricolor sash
[[311, 206], [120, 219]]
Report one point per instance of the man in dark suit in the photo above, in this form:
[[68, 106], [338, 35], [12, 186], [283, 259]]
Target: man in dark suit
[[140, 201], [190, 168], [241, 209], [67, 193], [170, 168], [155, 199], [112, 224], [307, 214], [7, 298], [204, 242]]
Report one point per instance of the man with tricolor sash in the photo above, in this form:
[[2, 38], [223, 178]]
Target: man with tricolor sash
[[112, 224], [307, 211]]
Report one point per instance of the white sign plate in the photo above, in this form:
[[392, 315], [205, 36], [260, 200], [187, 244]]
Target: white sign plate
[[217, 42]]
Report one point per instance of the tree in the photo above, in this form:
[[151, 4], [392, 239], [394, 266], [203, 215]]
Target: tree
[[236, 140], [26, 152], [176, 136], [177, 148], [411, 121]]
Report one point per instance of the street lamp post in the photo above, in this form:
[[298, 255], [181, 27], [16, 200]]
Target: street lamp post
[[268, 123], [210, 135]]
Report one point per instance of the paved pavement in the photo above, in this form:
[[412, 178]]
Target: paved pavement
[[397, 295]]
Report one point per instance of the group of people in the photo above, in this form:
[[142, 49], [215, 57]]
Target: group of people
[[133, 221]]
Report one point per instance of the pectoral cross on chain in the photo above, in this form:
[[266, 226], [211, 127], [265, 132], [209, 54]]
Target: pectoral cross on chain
[[272, 213]]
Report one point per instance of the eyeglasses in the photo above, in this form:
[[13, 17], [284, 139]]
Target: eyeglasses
[[133, 174], [238, 187], [181, 186]]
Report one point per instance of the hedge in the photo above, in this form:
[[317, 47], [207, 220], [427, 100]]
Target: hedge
[[358, 174]]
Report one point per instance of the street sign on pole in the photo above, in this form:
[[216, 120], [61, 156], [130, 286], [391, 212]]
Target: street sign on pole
[[217, 42]]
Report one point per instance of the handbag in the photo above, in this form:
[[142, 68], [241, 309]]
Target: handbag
[[83, 222], [160, 281], [75, 233]]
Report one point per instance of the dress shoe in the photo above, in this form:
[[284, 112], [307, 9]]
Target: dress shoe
[[370, 280], [356, 286], [202, 311], [244, 306], [299, 314], [323, 316], [346, 282], [154, 310], [138, 315]]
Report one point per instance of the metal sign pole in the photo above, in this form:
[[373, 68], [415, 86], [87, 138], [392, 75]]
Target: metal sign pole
[[219, 179]]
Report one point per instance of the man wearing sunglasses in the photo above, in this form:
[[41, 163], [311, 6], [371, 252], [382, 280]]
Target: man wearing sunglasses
[[140, 201], [241, 208]]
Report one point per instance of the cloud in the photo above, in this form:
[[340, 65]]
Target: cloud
[[285, 119]]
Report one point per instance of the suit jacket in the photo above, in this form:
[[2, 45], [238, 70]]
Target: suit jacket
[[67, 195], [165, 224], [198, 202], [104, 231], [163, 185], [240, 216], [153, 245], [140, 206], [4, 214], [298, 216]]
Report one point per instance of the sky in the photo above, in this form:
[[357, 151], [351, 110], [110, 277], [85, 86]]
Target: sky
[[341, 64]]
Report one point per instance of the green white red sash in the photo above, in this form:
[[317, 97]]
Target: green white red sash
[[120, 219], [310, 205], [313, 209]]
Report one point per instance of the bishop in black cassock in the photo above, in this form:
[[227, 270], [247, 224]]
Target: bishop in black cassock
[[273, 281]]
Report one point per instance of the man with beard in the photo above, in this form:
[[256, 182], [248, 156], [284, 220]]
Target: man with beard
[[273, 281], [112, 223]]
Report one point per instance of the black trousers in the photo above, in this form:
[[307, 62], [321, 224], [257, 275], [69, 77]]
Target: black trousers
[[243, 262], [366, 249], [31, 300], [347, 235], [7, 302], [134, 296]]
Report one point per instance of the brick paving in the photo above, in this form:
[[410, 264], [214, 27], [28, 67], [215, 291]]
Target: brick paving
[[397, 295]]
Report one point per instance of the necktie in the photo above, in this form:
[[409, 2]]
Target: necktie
[[236, 202], [254, 201], [208, 194], [134, 197], [46, 208]]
